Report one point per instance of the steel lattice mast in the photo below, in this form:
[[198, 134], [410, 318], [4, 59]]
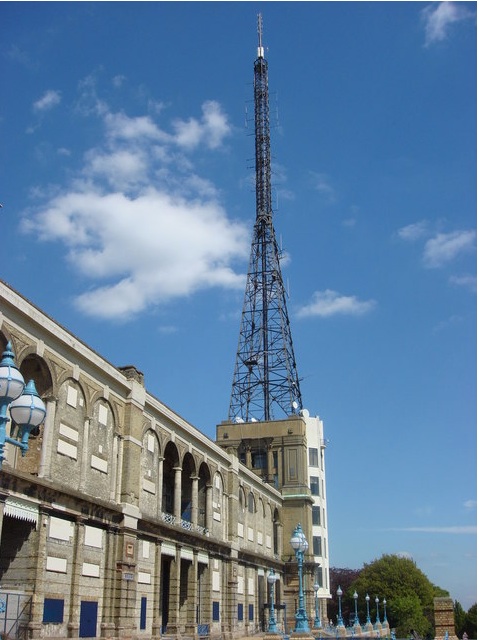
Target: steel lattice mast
[[265, 381]]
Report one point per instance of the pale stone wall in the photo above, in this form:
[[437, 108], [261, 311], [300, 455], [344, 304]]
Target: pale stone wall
[[98, 478]]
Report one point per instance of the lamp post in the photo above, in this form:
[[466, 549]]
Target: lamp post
[[26, 407], [376, 600], [317, 619], [356, 619], [339, 593], [368, 619], [272, 577], [385, 621], [300, 545]]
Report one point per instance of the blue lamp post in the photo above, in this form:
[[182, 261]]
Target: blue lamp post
[[376, 600], [385, 621], [356, 619], [317, 619], [368, 619], [272, 577], [26, 407], [339, 593], [300, 545]]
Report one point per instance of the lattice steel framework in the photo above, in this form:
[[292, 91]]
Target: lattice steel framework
[[265, 381]]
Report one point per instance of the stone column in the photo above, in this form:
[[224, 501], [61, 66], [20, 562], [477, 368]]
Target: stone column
[[160, 485], [47, 443], [120, 468], [194, 501], [114, 466], [230, 597], [156, 626], [126, 585], [192, 599], [270, 464], [73, 625], [209, 507], [173, 627], [107, 626], [177, 504], [36, 615], [85, 454]]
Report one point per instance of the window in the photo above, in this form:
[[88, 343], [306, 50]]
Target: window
[[313, 457], [216, 611], [316, 545], [316, 515], [314, 484], [143, 613], [293, 464], [319, 576], [250, 612], [258, 459], [53, 610], [240, 612], [251, 505]]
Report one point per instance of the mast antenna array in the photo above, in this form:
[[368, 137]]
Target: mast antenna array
[[265, 380]]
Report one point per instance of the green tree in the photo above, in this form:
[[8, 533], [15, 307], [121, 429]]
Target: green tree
[[459, 619], [471, 622], [408, 593]]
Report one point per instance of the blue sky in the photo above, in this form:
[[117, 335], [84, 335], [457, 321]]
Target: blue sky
[[128, 205]]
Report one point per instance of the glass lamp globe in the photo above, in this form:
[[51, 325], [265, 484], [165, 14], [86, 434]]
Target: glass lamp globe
[[271, 577], [11, 380], [28, 411]]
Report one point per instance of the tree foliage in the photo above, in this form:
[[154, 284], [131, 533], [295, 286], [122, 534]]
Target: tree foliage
[[408, 593], [465, 621]]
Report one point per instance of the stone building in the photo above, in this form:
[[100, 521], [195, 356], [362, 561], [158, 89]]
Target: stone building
[[124, 520]]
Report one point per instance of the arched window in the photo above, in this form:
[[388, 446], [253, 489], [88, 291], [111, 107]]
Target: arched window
[[251, 503]]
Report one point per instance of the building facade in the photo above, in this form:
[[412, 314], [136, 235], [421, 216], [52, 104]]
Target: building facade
[[124, 520]]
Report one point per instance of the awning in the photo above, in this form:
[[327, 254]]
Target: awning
[[21, 509]]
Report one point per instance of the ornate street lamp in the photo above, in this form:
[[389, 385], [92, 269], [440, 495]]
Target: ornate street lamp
[[26, 407], [356, 619], [272, 577], [376, 600], [339, 593], [385, 621], [317, 619], [300, 545], [368, 619]]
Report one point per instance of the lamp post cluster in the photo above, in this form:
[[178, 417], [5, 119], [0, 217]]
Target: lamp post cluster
[[368, 616], [26, 407], [300, 545]]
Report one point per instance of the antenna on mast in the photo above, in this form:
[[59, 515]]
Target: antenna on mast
[[260, 36]]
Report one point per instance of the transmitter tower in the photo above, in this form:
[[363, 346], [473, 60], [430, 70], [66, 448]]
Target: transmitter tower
[[265, 381]]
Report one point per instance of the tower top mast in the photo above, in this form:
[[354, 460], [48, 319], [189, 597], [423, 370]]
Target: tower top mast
[[265, 381], [260, 36]]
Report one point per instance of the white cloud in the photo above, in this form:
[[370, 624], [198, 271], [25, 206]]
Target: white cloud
[[470, 504], [121, 127], [445, 247], [138, 221], [441, 248], [414, 231], [466, 281], [329, 303], [118, 81], [211, 129], [49, 100], [439, 17], [455, 530], [322, 183]]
